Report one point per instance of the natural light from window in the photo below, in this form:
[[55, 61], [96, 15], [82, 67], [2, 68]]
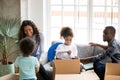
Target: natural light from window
[[87, 18]]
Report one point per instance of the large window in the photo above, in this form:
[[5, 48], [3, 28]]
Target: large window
[[87, 18]]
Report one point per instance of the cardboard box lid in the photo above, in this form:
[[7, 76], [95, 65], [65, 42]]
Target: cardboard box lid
[[69, 66]]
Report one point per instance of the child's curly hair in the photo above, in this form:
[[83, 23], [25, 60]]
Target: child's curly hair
[[27, 46], [65, 32]]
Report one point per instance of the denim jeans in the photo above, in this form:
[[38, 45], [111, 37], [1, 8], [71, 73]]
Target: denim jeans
[[99, 69]]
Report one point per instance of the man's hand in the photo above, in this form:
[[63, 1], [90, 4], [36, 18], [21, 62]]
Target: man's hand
[[93, 44]]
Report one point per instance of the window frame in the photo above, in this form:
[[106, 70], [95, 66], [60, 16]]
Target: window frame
[[89, 22]]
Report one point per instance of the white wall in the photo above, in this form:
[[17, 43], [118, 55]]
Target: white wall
[[33, 10], [24, 9]]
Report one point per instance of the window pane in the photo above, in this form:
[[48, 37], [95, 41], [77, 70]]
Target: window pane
[[56, 1], [112, 16], [68, 21], [98, 2], [68, 11], [82, 2], [82, 17], [68, 2], [98, 17], [97, 35], [55, 17], [112, 2], [77, 13], [68, 16], [55, 34], [56, 21], [109, 15], [56, 10], [79, 37]]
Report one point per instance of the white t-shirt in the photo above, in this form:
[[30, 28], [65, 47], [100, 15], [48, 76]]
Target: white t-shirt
[[61, 51]]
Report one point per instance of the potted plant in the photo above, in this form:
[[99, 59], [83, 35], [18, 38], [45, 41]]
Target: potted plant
[[8, 35]]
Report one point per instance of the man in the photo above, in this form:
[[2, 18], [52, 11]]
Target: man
[[112, 52]]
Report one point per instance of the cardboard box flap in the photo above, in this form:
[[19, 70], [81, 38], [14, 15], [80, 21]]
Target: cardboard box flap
[[71, 66], [112, 77], [112, 69]]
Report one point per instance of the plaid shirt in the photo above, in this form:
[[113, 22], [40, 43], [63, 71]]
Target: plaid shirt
[[112, 52]]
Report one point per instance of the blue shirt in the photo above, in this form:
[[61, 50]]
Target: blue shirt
[[113, 52], [27, 66]]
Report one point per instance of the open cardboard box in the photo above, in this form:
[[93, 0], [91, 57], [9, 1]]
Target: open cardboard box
[[70, 70], [68, 66], [112, 71]]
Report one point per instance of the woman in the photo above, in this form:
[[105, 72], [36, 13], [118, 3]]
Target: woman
[[29, 29]]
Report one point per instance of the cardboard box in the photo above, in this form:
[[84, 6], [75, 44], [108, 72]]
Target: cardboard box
[[112, 71], [70, 70], [112, 77], [69, 66]]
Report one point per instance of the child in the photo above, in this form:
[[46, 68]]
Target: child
[[66, 50], [27, 65]]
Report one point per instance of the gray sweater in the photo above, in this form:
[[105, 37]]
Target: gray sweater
[[39, 48]]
